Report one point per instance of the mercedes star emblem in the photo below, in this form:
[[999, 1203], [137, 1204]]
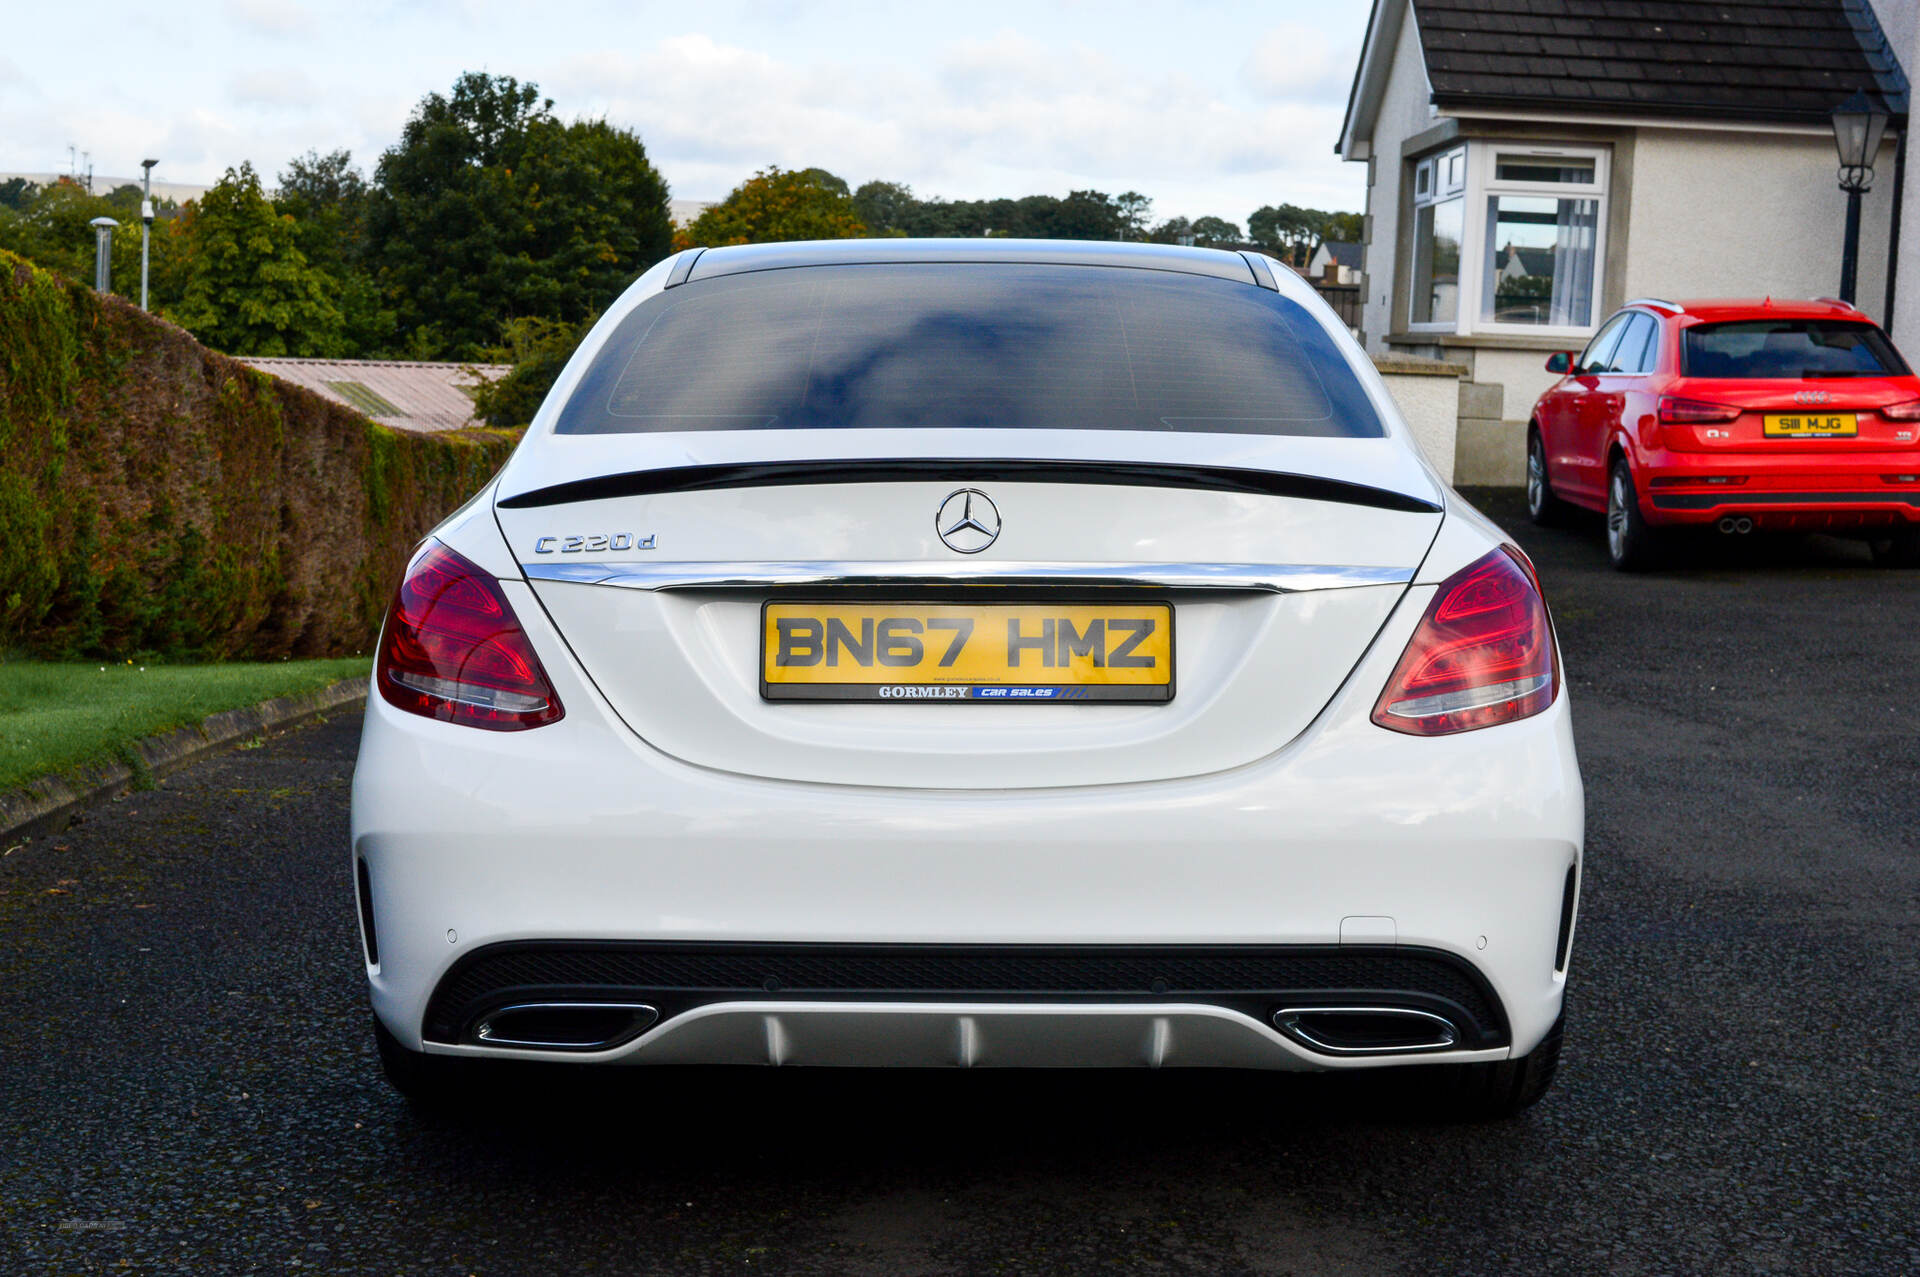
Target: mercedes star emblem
[[967, 521]]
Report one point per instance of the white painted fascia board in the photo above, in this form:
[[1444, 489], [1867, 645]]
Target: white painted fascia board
[[1640, 121], [1370, 77]]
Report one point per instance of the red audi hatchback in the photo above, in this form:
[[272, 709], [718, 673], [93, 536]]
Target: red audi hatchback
[[1735, 415]]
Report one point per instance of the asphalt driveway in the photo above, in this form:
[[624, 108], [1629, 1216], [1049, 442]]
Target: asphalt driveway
[[187, 1081]]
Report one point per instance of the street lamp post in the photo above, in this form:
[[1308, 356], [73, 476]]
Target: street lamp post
[[146, 222], [102, 250], [1857, 126]]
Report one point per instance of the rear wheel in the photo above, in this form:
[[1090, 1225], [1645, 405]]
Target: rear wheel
[[1632, 545], [1543, 507], [1898, 549], [1502, 1088]]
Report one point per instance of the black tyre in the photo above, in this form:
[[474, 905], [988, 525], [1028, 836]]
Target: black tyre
[[1502, 1088], [1898, 549], [1543, 507], [1632, 545]]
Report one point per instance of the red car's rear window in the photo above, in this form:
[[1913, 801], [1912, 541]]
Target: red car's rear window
[[1789, 349]]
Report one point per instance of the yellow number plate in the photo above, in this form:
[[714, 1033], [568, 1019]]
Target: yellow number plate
[[994, 652], [1810, 425]]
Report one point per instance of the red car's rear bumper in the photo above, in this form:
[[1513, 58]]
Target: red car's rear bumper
[[1803, 492]]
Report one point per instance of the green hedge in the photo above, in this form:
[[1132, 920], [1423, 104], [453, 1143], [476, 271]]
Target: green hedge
[[158, 498]]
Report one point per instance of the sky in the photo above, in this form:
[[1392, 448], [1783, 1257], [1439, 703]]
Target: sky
[[1208, 108]]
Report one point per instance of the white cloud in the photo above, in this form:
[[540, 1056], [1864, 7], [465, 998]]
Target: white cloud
[[1216, 107], [14, 82], [999, 115], [280, 89], [274, 19], [1294, 63]]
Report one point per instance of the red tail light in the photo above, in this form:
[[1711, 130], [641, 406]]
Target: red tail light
[[453, 650], [1483, 654], [1907, 411], [1694, 412]]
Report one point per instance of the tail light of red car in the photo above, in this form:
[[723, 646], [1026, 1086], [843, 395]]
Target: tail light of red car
[[1675, 411], [1907, 411], [453, 650], [1482, 655]]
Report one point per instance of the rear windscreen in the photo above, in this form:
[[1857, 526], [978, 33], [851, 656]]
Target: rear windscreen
[[970, 345], [1789, 348]]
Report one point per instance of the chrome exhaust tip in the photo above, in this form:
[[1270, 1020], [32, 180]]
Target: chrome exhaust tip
[[1743, 525], [1366, 1030], [564, 1026], [1728, 526]]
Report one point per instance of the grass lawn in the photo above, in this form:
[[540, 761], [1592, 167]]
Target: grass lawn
[[57, 715]]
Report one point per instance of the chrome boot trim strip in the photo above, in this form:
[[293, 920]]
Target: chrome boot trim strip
[[1272, 578]]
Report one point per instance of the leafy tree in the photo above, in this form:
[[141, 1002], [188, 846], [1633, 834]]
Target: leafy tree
[[1288, 229], [327, 198], [1172, 231], [1295, 232], [54, 231], [125, 199], [1133, 211], [1081, 215], [1208, 231], [538, 349], [245, 286], [1347, 227], [776, 205], [825, 180], [314, 185], [17, 193], [490, 208], [888, 208]]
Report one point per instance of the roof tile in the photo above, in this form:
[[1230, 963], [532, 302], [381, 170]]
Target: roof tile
[[1784, 60]]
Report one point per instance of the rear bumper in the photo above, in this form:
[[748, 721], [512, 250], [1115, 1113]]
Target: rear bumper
[[1166, 1034], [776, 998], [1351, 837], [1786, 491]]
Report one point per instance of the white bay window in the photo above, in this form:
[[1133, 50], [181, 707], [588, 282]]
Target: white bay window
[[1517, 229]]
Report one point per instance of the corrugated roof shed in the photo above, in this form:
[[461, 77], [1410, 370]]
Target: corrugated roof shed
[[405, 393], [1788, 61]]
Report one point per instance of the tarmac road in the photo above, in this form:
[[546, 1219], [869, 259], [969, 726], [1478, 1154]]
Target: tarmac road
[[187, 1080]]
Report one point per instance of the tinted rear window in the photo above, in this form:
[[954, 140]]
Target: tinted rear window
[[974, 345], [1789, 348]]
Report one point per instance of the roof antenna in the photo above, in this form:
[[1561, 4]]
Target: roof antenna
[[1767, 302]]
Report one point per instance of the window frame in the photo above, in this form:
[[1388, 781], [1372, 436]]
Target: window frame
[[1440, 188], [1483, 163], [1482, 158]]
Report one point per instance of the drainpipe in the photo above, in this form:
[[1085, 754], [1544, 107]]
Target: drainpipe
[[1893, 237]]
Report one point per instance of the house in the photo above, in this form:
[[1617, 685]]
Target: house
[[1340, 257], [407, 394], [1534, 164]]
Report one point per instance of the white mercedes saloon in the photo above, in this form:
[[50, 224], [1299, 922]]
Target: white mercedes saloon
[[970, 653]]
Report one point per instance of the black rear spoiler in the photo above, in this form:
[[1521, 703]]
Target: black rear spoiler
[[1143, 474]]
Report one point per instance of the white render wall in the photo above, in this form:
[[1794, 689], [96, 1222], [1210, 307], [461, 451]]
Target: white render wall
[[1900, 20], [1404, 111], [1428, 396], [1743, 214]]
